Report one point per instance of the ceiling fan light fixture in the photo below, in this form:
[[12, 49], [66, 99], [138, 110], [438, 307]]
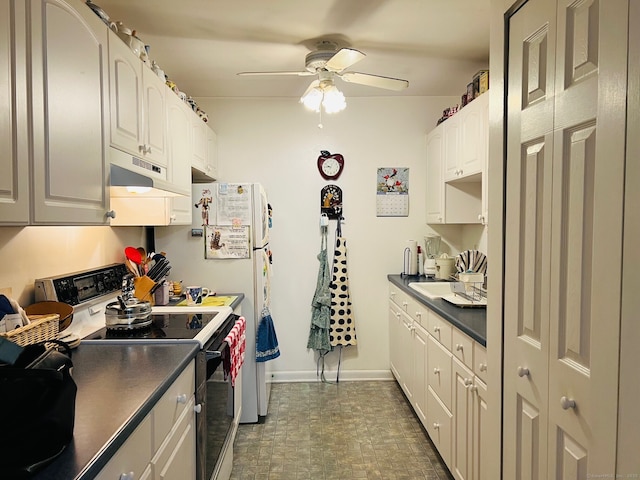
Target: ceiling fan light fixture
[[312, 98], [333, 100]]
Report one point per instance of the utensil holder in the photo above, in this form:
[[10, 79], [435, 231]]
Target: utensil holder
[[142, 289]]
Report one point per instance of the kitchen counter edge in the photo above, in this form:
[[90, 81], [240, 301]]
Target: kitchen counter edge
[[472, 321]]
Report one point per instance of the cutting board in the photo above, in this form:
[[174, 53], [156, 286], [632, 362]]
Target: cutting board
[[211, 301]]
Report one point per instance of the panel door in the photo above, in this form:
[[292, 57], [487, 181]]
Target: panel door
[[420, 367], [451, 138], [395, 350], [69, 74], [154, 117], [125, 72], [565, 165], [435, 181], [527, 239], [474, 133], [179, 156], [587, 209], [481, 433], [462, 410], [14, 161]]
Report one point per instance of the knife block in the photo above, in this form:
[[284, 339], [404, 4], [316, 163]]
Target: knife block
[[142, 289]]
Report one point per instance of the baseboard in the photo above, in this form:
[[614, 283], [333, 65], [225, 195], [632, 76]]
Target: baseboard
[[347, 376]]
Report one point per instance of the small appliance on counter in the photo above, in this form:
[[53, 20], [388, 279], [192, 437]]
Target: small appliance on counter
[[432, 250]]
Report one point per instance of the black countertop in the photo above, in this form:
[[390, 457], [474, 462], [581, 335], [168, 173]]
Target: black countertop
[[472, 321], [118, 385]]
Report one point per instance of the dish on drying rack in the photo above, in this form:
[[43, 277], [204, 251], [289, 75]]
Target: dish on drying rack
[[471, 260]]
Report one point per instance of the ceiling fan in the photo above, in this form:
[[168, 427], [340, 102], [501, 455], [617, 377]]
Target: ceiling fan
[[327, 62]]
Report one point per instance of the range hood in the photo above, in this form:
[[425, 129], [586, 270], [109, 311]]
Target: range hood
[[135, 177]]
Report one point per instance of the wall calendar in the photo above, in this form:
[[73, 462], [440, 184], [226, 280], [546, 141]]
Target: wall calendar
[[392, 192]]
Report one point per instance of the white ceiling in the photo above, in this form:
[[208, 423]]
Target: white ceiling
[[437, 45]]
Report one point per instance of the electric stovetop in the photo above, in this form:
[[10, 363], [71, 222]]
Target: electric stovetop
[[164, 326]]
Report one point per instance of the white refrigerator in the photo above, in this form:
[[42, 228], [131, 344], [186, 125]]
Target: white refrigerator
[[227, 249]]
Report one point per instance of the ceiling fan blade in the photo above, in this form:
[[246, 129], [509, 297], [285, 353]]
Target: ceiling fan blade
[[344, 59], [299, 74], [388, 83]]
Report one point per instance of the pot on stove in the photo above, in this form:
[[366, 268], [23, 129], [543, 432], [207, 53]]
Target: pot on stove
[[120, 314]]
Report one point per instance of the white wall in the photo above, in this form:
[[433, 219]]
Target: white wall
[[276, 142], [27, 253]]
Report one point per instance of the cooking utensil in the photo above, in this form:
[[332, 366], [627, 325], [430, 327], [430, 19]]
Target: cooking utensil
[[47, 307], [134, 256], [133, 314]]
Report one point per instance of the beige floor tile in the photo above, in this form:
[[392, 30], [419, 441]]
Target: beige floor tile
[[350, 430]]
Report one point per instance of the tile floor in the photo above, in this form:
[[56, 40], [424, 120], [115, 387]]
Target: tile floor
[[350, 430]]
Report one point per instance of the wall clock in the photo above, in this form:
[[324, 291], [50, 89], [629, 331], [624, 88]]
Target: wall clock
[[331, 201], [330, 165]]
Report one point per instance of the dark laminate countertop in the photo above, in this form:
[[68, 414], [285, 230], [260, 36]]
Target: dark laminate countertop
[[472, 321], [118, 385]]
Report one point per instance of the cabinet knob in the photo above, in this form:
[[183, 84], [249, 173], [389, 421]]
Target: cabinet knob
[[436, 329], [404, 304], [197, 408], [128, 476], [523, 372], [397, 315], [436, 371], [111, 214], [440, 219], [392, 294], [567, 403], [459, 347], [182, 398], [482, 367], [473, 388], [436, 425], [468, 382]]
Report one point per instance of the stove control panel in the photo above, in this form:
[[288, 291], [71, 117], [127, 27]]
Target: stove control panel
[[80, 287]]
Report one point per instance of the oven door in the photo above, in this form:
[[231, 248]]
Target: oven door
[[215, 395]]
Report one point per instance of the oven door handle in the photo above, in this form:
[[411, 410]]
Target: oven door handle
[[211, 354]]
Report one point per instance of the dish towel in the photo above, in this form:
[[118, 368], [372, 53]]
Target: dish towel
[[236, 340], [266, 338]]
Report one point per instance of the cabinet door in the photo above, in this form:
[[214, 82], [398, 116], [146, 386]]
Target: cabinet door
[[395, 349], [462, 411], [405, 359], [199, 143], [176, 458], [451, 138], [420, 366], [474, 134], [125, 72], [480, 434], [179, 141], [435, 181], [154, 117], [69, 71], [212, 154], [14, 161]]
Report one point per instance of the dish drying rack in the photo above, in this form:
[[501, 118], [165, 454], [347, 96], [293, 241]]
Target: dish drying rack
[[469, 287]]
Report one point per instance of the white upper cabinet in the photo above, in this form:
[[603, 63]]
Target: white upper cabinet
[[179, 141], [14, 161], [211, 167], [435, 183], [138, 120], [69, 112]]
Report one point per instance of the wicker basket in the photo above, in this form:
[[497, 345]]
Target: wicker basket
[[41, 328]]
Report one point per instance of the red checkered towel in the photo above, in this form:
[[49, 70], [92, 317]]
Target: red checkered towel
[[236, 340]]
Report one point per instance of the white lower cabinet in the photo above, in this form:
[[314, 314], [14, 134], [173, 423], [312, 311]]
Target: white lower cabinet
[[163, 446], [442, 371]]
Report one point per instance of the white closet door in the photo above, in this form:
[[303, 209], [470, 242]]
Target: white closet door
[[586, 242], [527, 243]]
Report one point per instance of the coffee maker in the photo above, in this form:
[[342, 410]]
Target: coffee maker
[[432, 250]]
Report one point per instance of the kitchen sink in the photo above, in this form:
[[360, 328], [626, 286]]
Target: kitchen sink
[[432, 289]]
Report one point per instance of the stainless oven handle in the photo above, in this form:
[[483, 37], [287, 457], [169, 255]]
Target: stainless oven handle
[[211, 354]]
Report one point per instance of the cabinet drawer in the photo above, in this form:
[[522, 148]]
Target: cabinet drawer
[[400, 298], [417, 311], [480, 361], [176, 458], [133, 455], [172, 404], [439, 329], [439, 420], [439, 374], [462, 347]]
